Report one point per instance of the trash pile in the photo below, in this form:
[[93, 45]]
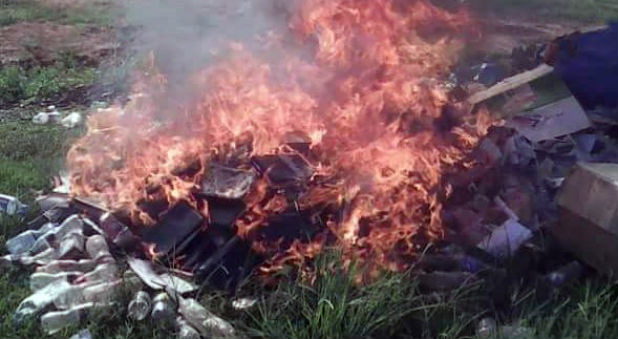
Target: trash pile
[[540, 185], [75, 272], [53, 116], [540, 201]]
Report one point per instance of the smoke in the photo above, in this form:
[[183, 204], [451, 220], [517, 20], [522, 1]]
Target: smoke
[[186, 35]]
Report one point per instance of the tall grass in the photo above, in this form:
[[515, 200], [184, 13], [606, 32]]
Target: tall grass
[[587, 310], [333, 305]]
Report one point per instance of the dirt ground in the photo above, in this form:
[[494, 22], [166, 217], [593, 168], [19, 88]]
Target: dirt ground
[[502, 36], [43, 42]]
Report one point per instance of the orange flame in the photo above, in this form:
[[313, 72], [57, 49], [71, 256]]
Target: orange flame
[[366, 99]]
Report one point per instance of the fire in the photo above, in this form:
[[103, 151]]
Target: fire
[[364, 99]]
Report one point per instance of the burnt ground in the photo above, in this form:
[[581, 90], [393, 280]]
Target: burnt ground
[[67, 53]]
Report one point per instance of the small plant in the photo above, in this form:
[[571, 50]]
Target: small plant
[[38, 83], [335, 306], [586, 310], [10, 84]]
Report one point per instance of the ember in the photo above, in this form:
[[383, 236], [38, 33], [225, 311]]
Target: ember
[[337, 147]]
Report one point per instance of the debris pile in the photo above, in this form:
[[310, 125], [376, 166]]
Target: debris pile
[[53, 116], [541, 193], [79, 268], [548, 170]]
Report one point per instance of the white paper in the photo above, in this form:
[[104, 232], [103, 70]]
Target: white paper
[[506, 239]]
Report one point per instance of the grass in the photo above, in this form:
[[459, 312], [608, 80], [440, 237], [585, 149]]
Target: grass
[[587, 310], [29, 155], [92, 12], [42, 83], [334, 306], [574, 11]]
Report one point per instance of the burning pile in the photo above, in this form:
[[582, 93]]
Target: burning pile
[[335, 132]]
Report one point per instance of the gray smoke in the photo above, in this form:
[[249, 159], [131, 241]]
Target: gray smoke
[[183, 34]]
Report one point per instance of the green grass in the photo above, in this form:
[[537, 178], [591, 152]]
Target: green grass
[[27, 84], [573, 11], [92, 12], [334, 307], [42, 83], [586, 310], [29, 155]]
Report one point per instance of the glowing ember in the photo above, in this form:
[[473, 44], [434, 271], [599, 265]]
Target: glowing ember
[[365, 103]]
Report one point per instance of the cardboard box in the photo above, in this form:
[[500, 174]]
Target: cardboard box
[[588, 207]]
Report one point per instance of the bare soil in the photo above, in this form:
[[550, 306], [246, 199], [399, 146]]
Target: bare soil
[[44, 42], [502, 35]]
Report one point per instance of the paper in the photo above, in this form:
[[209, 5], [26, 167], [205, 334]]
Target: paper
[[559, 118], [506, 239], [145, 271]]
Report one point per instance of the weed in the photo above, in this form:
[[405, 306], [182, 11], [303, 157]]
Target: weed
[[334, 306], [586, 310], [93, 13], [39, 84]]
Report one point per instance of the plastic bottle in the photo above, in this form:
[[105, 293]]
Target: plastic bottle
[[10, 205], [83, 334], [84, 265], [243, 303], [53, 322], [24, 241], [184, 330], [162, 308], [39, 300], [97, 248], [92, 291], [565, 274], [69, 225], [486, 328], [41, 244], [71, 245], [43, 258], [205, 321], [38, 280], [106, 271], [140, 305]]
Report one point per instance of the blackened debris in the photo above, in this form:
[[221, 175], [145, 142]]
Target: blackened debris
[[227, 183], [283, 170], [223, 212], [286, 227], [178, 223]]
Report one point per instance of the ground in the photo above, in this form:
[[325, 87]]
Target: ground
[[58, 52]]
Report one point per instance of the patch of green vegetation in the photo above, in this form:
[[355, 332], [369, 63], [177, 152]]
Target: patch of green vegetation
[[585, 310], [578, 11], [334, 306], [29, 155], [93, 13], [42, 83], [25, 141], [19, 178], [14, 288]]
